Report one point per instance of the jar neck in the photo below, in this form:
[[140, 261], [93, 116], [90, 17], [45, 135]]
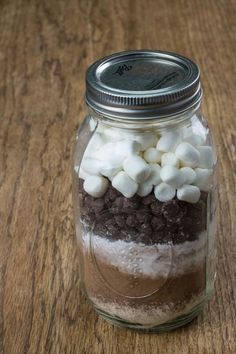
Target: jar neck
[[159, 123]]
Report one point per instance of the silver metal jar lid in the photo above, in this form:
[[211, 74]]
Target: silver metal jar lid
[[142, 84]]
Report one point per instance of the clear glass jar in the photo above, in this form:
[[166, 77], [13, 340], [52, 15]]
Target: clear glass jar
[[145, 204]]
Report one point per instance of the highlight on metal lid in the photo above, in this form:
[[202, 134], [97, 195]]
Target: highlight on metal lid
[[142, 84]]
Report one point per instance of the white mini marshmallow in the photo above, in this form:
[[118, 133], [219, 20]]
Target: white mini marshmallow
[[152, 155], [187, 193], [83, 174], [110, 168], [146, 140], [112, 134], [115, 134], [188, 154], [199, 128], [164, 192], [111, 177], [206, 157], [91, 166], [144, 189], [136, 168], [96, 186], [107, 153], [193, 135], [195, 139], [127, 147], [154, 177], [169, 159], [172, 176], [189, 173], [111, 163], [168, 141], [124, 184], [95, 143], [203, 179], [185, 131]]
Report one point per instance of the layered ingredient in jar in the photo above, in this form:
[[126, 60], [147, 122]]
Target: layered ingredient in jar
[[143, 201]]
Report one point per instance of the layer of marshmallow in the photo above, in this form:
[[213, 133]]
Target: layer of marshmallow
[[171, 164]]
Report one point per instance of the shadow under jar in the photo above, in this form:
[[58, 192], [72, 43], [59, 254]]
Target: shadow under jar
[[145, 191]]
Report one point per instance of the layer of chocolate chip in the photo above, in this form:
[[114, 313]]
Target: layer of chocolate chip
[[144, 219]]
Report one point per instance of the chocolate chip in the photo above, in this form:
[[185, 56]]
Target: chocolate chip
[[104, 216], [129, 234], [131, 221], [161, 237], [107, 200], [149, 199], [118, 202], [156, 208], [100, 230], [130, 204], [181, 237], [88, 200], [98, 205], [143, 216], [186, 222], [117, 206], [146, 229], [136, 198], [170, 209], [157, 223], [111, 226], [172, 228], [177, 219], [110, 222], [120, 220], [142, 237], [112, 194], [115, 211]]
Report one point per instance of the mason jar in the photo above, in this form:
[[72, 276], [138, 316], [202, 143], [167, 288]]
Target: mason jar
[[145, 191]]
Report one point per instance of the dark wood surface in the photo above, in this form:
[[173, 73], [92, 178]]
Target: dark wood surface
[[45, 48]]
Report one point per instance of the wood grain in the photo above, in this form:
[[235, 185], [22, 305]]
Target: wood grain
[[45, 48]]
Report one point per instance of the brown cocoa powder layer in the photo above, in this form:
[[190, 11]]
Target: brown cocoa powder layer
[[172, 290]]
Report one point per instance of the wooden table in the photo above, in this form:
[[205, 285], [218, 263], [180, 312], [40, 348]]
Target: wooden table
[[45, 48]]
